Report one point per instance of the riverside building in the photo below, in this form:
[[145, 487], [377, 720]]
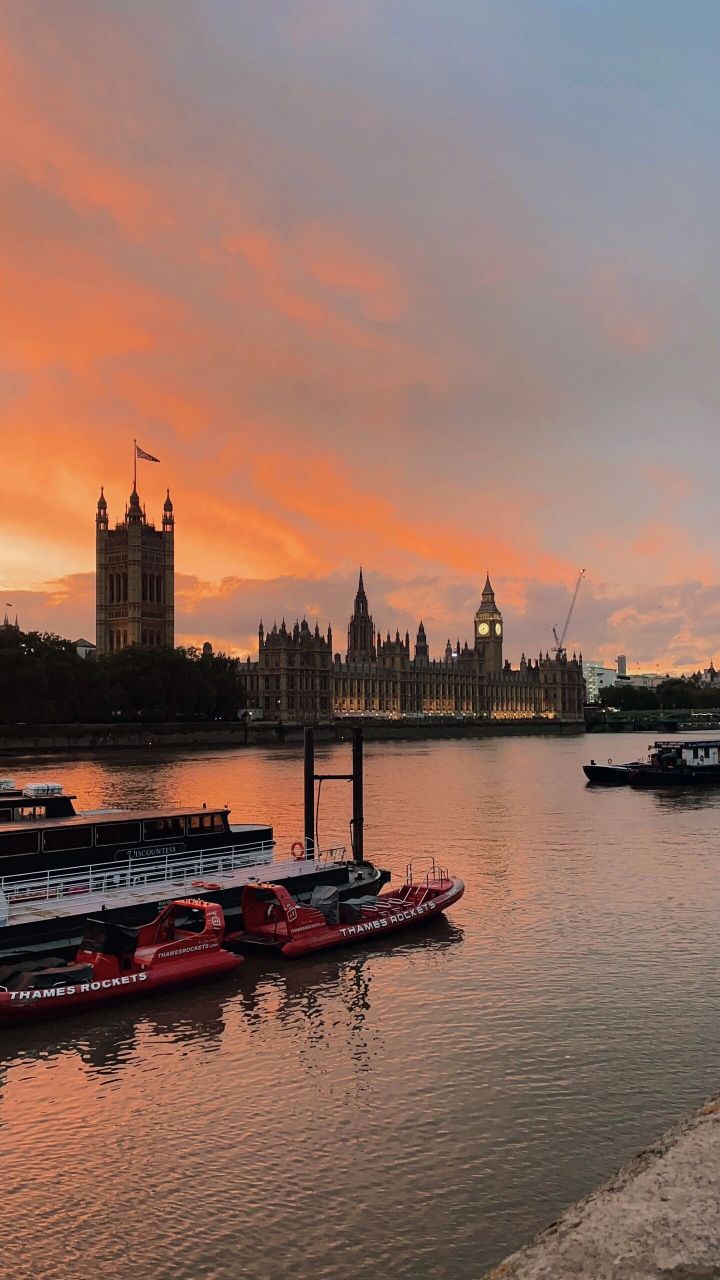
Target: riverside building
[[134, 577], [298, 679]]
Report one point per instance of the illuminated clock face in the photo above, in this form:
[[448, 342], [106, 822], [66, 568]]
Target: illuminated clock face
[[483, 629], [498, 629]]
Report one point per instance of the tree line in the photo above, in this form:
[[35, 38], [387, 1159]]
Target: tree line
[[671, 695], [44, 681]]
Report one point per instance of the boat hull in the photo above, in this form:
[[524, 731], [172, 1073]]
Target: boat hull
[[607, 775], [402, 914], [17, 1007], [669, 778]]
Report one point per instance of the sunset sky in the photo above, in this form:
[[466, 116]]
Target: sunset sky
[[431, 287]]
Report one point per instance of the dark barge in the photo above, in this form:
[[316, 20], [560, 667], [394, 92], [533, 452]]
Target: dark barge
[[691, 763]]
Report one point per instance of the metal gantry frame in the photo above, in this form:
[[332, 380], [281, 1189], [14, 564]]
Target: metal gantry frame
[[312, 808]]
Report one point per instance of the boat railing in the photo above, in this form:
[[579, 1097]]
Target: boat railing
[[333, 853], [131, 873], [432, 871]]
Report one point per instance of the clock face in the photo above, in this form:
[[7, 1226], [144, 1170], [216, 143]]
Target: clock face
[[483, 629], [498, 629]]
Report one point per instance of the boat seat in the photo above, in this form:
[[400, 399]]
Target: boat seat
[[351, 908], [12, 976], [68, 974]]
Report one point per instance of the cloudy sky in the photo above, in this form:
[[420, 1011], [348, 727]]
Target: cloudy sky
[[431, 287]]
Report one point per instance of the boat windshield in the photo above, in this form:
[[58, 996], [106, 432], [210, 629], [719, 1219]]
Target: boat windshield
[[109, 937]]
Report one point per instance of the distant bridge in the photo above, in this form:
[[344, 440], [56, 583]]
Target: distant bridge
[[600, 719]]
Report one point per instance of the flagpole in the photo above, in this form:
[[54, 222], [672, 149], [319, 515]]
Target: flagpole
[[135, 465]]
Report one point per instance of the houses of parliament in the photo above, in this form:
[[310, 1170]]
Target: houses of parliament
[[298, 679]]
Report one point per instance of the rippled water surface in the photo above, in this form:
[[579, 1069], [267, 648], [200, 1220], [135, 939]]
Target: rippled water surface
[[415, 1109]]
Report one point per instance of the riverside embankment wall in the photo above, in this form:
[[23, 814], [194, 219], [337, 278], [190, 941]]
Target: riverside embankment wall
[[20, 739], [658, 1217]]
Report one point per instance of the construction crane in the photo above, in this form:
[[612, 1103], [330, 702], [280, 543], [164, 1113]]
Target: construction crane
[[559, 646]]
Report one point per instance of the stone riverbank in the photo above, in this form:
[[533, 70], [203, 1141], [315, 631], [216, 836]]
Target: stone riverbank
[[657, 1219]]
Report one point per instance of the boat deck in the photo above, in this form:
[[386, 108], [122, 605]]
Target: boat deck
[[88, 890]]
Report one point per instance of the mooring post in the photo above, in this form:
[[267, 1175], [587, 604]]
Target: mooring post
[[309, 744], [357, 779]]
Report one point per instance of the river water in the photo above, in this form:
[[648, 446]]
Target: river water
[[417, 1109]]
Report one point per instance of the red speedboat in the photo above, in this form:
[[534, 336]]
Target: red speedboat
[[273, 920], [115, 962]]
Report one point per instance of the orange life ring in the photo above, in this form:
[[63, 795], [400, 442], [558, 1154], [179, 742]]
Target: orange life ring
[[298, 851]]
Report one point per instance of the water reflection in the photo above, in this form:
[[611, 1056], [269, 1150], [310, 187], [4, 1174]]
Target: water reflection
[[322, 995], [670, 799], [507, 1059], [109, 1040]]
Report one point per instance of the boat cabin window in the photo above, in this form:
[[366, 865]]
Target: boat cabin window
[[67, 838], [118, 833], [28, 812], [203, 822], [161, 828], [19, 842], [190, 921], [6, 815]]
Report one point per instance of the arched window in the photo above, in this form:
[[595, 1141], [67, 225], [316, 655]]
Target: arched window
[[124, 586], [111, 589]]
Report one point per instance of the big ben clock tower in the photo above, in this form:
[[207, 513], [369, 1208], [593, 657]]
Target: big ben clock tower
[[489, 630]]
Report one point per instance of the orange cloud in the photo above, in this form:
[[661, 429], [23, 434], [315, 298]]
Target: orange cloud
[[322, 279], [319, 490], [48, 140], [70, 308], [330, 256], [326, 377]]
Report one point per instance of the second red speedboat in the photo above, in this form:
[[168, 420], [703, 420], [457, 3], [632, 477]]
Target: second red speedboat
[[275, 921]]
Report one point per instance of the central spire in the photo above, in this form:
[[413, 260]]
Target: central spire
[[361, 632], [361, 603]]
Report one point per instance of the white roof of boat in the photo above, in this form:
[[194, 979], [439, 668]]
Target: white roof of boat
[[86, 816]]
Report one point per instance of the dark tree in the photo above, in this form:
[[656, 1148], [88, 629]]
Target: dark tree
[[43, 681], [626, 697]]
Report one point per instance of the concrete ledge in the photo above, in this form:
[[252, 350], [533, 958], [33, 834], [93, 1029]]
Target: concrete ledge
[[658, 1217]]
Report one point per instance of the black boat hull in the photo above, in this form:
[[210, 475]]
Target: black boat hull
[[607, 775], [648, 777]]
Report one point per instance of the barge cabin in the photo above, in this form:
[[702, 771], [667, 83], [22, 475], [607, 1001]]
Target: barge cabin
[[40, 830]]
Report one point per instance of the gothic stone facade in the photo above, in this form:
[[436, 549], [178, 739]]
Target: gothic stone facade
[[297, 679], [134, 578]]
